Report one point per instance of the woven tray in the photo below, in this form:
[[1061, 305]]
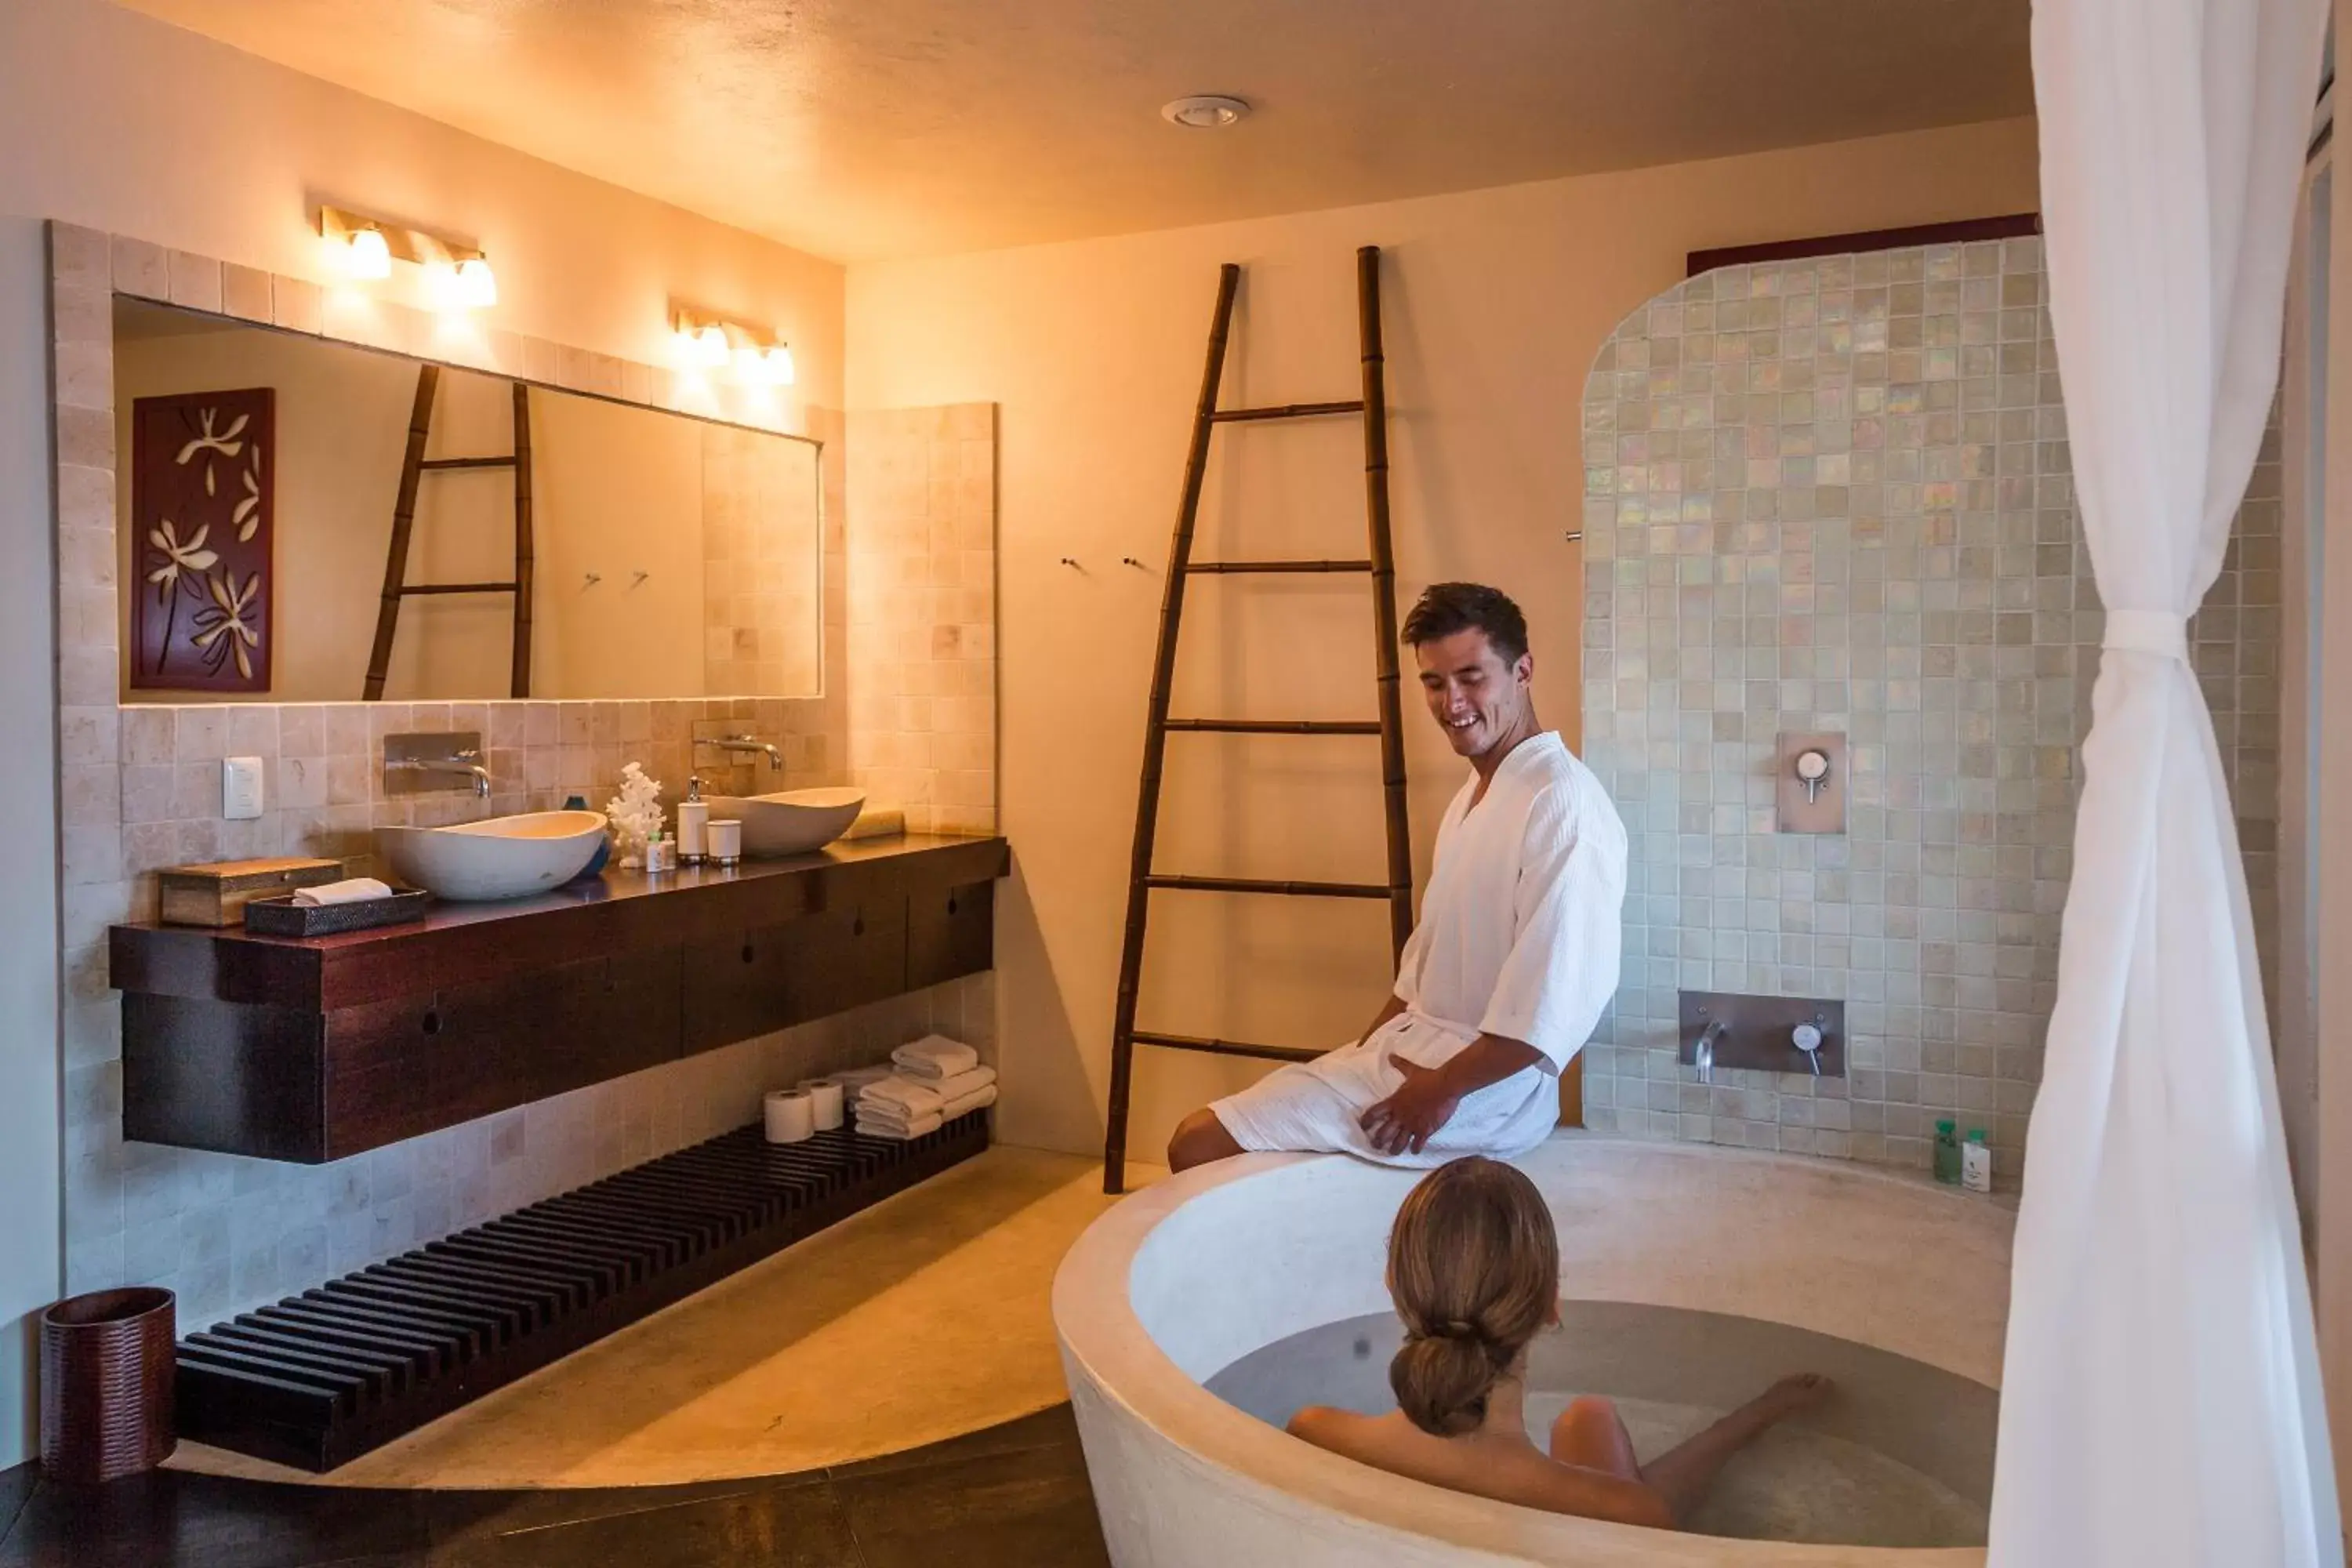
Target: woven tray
[[284, 917]]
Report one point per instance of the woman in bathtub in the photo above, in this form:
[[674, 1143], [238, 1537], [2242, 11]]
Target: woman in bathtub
[[1473, 1267]]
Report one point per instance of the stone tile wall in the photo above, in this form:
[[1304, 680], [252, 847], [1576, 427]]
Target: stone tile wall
[[1834, 494], [922, 612], [139, 789], [761, 584]]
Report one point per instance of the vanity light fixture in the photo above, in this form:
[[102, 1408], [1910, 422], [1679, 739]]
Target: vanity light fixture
[[771, 366], [458, 275], [709, 342], [478, 286], [366, 255], [703, 346]]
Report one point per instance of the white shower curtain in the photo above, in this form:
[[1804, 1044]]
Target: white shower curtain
[[2160, 1400]]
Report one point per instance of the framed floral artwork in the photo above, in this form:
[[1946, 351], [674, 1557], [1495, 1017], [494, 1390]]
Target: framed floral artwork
[[201, 488]]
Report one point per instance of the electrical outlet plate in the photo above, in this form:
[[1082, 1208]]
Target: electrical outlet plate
[[241, 788]]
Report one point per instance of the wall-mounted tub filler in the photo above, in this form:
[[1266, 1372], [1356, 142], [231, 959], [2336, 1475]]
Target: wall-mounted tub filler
[[1809, 784], [1703, 1049], [1766, 1034], [418, 763]]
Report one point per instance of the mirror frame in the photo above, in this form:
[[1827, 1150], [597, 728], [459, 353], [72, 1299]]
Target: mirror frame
[[249, 297]]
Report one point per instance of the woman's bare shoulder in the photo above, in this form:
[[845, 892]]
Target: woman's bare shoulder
[[1385, 1442], [1327, 1427]]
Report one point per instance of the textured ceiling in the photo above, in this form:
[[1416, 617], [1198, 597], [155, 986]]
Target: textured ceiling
[[870, 128]]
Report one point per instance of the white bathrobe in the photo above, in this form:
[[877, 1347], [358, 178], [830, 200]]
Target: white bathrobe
[[1519, 936]]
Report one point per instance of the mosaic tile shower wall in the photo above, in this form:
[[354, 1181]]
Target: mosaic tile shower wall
[[1833, 495]]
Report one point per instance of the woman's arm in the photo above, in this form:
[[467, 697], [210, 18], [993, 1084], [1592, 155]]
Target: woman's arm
[[1597, 1494]]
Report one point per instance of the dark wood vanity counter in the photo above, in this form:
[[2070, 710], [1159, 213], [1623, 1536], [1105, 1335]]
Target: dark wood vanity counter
[[315, 1048]]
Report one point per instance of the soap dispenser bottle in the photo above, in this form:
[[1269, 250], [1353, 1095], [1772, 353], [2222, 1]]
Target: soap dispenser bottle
[[693, 821]]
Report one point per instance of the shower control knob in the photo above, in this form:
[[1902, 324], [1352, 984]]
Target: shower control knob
[[1807, 1037], [1814, 771]]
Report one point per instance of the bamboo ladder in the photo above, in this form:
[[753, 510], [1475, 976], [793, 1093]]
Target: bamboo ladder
[[1143, 881], [413, 466]]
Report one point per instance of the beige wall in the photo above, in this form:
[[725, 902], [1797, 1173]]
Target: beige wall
[[120, 122], [1495, 301]]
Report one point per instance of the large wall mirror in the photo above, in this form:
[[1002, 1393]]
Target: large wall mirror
[[555, 545]]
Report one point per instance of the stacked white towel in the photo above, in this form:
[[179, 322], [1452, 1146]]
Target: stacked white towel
[[853, 1080], [935, 1056], [903, 1107]]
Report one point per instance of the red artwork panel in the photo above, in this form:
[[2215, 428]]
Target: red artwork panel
[[203, 471]]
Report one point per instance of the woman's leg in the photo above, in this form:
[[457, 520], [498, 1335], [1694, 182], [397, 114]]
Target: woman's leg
[[1589, 1434], [1682, 1475]]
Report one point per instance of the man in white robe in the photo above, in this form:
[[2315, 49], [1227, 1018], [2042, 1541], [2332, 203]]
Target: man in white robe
[[1516, 951]]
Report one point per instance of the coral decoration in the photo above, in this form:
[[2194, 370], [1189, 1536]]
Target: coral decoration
[[636, 813]]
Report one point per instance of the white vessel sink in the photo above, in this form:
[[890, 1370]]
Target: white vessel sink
[[504, 857], [790, 822]]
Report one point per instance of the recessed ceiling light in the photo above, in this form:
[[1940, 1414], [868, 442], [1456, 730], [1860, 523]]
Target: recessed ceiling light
[[1205, 112]]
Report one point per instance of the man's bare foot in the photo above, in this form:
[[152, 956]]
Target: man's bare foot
[[1793, 1395]]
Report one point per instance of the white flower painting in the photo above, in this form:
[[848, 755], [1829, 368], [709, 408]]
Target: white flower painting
[[200, 504]]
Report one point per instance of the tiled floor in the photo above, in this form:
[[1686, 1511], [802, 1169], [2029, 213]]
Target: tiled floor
[[1013, 1494]]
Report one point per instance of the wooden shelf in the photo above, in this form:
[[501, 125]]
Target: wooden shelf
[[322, 1377], [312, 1049]]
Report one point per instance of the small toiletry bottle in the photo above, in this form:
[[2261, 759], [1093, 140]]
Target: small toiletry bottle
[[1947, 1152], [693, 815], [1976, 1163], [661, 854]]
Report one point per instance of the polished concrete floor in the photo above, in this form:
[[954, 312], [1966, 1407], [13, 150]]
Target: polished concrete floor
[[887, 1394], [1013, 1494]]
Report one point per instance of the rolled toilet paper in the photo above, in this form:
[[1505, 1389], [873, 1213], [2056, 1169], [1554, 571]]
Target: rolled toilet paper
[[790, 1115], [825, 1099]]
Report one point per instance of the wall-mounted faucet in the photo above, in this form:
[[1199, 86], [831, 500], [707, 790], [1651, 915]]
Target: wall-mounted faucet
[[411, 760], [1768, 1034], [748, 743], [1702, 1051]]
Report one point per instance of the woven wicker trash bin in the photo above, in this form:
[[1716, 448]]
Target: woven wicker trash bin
[[107, 1367]]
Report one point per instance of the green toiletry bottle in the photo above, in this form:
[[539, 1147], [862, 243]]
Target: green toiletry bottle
[[1947, 1152]]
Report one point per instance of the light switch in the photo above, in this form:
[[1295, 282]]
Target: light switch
[[241, 788]]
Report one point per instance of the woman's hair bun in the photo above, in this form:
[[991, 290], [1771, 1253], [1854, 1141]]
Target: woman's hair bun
[[1442, 1380], [1474, 1266]]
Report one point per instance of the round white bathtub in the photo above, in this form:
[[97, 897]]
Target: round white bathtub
[[1184, 1279]]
